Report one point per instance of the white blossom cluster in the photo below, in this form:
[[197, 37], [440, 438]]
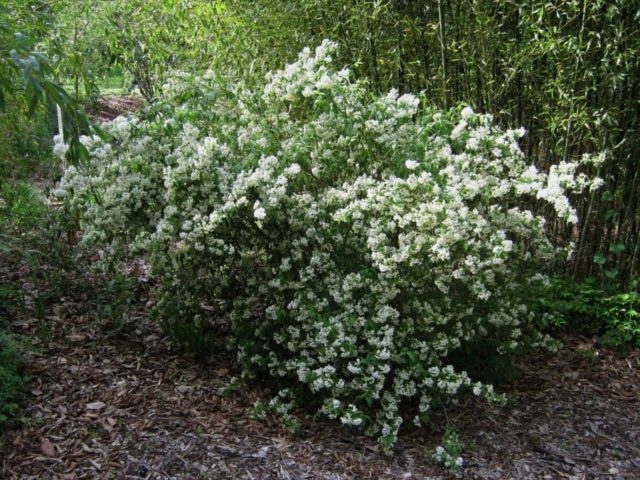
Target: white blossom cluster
[[446, 459], [60, 148], [356, 244]]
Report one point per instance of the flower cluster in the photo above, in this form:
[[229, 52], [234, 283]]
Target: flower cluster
[[448, 454], [355, 244]]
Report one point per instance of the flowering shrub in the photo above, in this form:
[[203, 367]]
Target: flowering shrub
[[354, 244]]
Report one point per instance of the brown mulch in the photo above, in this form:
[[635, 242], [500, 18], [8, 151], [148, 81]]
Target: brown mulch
[[123, 404], [573, 415], [111, 106], [128, 406]]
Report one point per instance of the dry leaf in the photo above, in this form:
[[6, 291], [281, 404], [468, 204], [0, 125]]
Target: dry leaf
[[75, 338], [96, 405], [47, 448]]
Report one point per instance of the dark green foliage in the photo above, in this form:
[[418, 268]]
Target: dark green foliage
[[11, 380], [481, 361], [35, 260], [591, 309], [114, 302], [22, 208], [32, 229], [451, 446], [33, 243], [199, 334], [28, 84]]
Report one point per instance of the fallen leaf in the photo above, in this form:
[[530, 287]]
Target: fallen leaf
[[96, 405], [262, 453], [47, 448]]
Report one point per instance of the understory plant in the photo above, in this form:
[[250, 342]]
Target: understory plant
[[591, 308], [448, 453], [11, 379], [356, 246]]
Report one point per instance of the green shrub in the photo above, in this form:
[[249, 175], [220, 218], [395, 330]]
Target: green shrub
[[22, 208], [357, 245], [11, 381], [25, 145], [590, 309], [113, 303], [34, 246]]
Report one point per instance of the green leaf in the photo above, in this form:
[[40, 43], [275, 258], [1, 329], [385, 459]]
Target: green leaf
[[616, 248], [611, 214], [613, 273], [33, 103], [599, 259]]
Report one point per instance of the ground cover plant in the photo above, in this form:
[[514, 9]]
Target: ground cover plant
[[358, 247]]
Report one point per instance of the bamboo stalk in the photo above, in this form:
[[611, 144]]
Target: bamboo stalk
[[443, 56]]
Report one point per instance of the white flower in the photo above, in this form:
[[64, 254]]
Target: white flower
[[596, 184], [411, 164], [409, 100], [459, 128], [293, 169], [324, 83], [60, 149], [466, 113], [260, 213]]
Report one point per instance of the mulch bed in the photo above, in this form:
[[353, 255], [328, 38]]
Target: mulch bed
[[111, 106], [129, 406]]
